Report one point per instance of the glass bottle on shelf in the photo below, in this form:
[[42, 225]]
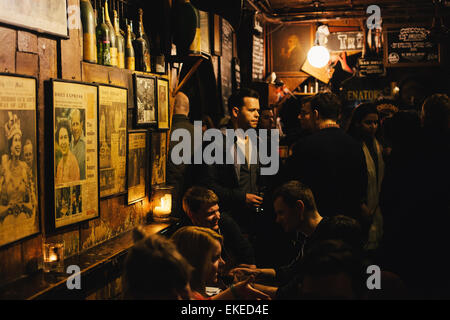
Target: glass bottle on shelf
[[120, 42], [113, 46], [89, 38], [129, 51], [103, 42], [141, 50]]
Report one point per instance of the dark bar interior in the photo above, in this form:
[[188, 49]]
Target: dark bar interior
[[224, 150]]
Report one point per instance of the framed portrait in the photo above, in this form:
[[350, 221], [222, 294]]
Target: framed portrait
[[158, 157], [44, 16], [145, 112], [289, 46], [163, 103], [137, 165], [112, 101], [74, 161], [19, 194]]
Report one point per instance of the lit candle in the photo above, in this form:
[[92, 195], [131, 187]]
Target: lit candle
[[166, 206]]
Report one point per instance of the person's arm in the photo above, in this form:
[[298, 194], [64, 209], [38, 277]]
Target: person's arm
[[271, 291], [240, 273], [243, 290]]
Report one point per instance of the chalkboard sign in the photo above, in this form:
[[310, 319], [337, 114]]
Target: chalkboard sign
[[225, 63], [370, 68], [410, 46]]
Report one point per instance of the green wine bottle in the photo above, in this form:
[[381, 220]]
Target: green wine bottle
[[103, 42], [141, 48], [120, 42], [89, 39], [113, 47]]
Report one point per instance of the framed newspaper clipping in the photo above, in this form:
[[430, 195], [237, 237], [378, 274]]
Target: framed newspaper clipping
[[137, 165], [113, 139], [75, 181], [163, 103], [19, 196]]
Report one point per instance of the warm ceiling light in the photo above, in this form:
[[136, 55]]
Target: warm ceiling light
[[318, 56]]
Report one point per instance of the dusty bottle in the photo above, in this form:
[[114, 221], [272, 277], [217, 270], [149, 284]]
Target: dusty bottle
[[103, 42], [120, 42], [89, 38], [142, 50], [113, 47], [129, 51]]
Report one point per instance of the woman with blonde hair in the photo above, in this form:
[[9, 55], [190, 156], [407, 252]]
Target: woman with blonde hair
[[202, 248]]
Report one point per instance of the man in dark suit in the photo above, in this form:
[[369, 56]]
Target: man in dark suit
[[328, 160], [236, 183]]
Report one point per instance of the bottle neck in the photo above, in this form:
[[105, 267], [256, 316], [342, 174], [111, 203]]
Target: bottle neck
[[103, 14], [116, 22], [106, 12]]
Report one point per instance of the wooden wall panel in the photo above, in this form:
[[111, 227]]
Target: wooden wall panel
[[27, 42], [8, 51], [27, 63]]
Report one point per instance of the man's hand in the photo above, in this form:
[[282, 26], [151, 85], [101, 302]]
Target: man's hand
[[247, 292], [240, 274], [252, 200]]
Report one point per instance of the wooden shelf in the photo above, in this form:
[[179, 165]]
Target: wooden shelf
[[98, 265]]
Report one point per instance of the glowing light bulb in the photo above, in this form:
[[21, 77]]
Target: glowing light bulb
[[318, 56]]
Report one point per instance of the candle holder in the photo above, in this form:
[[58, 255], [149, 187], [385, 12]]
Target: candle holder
[[53, 256], [161, 202]]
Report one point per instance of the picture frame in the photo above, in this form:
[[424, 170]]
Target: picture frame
[[20, 213], [43, 16], [293, 42], [137, 172], [162, 86], [205, 46], [113, 106], [215, 22], [158, 157], [145, 101], [74, 195]]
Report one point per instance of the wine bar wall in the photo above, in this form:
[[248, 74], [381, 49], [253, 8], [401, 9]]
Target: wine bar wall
[[45, 57]]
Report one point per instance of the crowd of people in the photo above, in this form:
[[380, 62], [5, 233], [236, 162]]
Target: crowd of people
[[368, 194]]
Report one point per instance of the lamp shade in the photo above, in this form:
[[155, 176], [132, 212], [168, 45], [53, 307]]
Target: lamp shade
[[318, 56]]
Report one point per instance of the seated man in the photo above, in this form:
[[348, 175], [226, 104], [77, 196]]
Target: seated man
[[296, 211], [201, 206]]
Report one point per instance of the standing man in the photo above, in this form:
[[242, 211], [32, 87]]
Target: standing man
[[236, 184], [328, 160], [78, 144]]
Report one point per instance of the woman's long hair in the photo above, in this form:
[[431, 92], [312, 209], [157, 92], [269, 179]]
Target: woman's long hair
[[196, 245]]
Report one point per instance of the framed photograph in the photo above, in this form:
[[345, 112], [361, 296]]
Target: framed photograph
[[158, 157], [145, 114], [137, 165], [74, 123], [289, 46], [163, 103], [44, 16], [113, 103], [19, 205]]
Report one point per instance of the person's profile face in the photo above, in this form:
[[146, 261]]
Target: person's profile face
[[249, 113], [208, 217], [306, 117], [16, 145], [63, 140], [286, 216], [214, 262]]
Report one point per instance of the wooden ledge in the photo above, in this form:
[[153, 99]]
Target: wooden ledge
[[98, 265]]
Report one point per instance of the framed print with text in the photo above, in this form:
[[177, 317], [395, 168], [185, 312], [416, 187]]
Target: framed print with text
[[145, 112], [158, 157], [113, 139], [19, 204], [163, 103], [137, 165], [74, 152]]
